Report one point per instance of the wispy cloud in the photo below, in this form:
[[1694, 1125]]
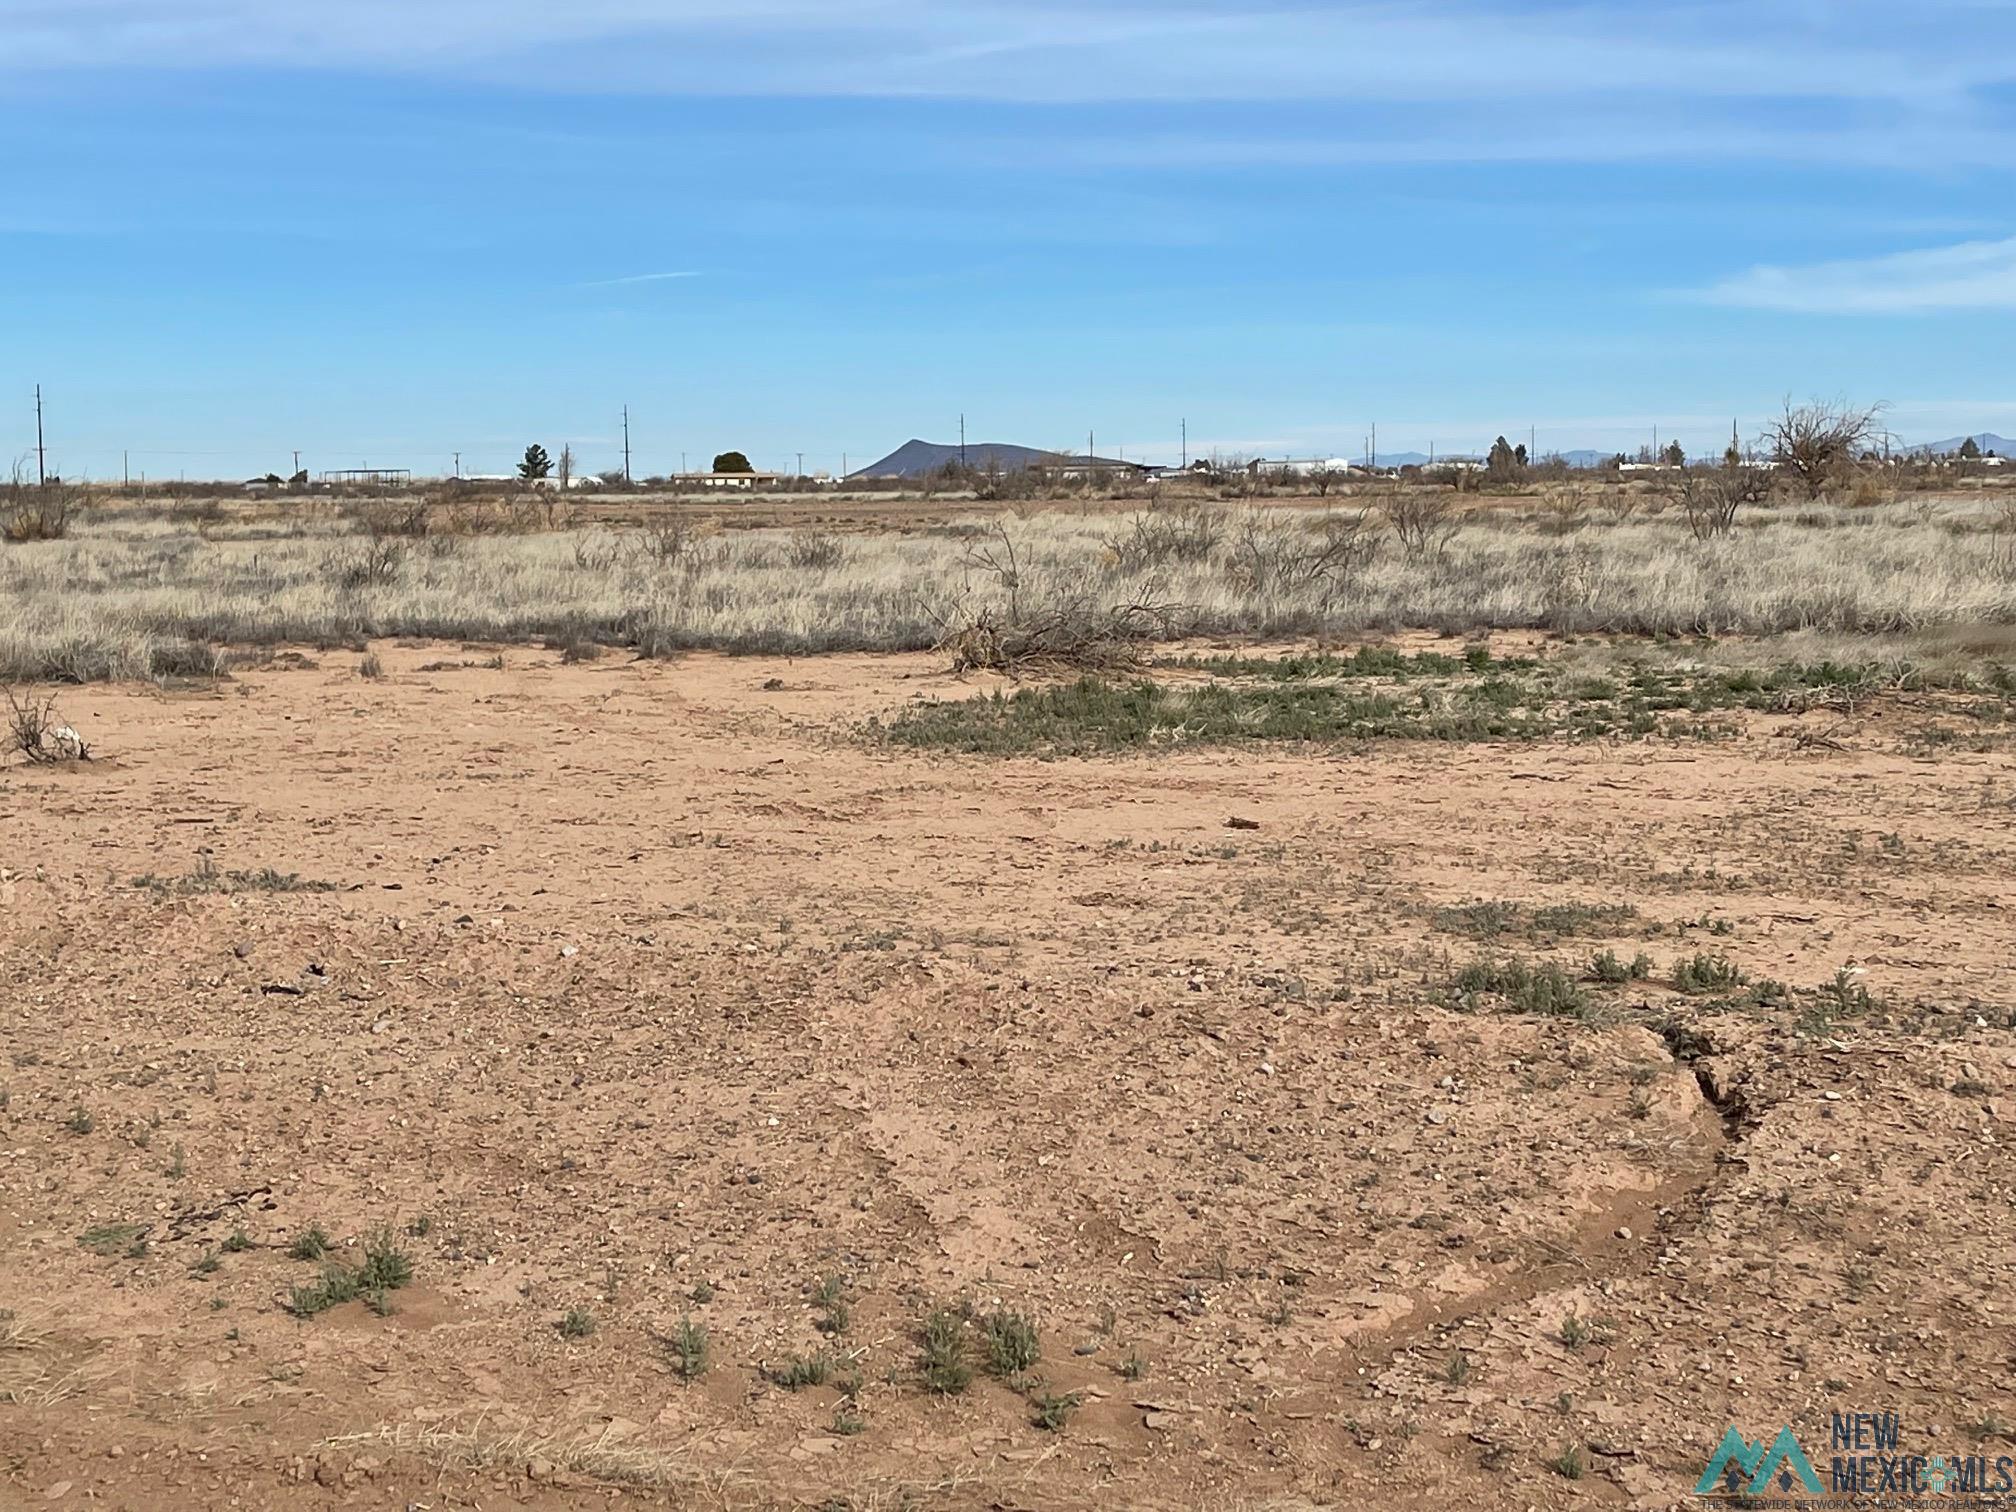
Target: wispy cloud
[[1975, 275], [634, 278], [1083, 50]]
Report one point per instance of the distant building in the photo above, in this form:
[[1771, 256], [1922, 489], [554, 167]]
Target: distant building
[[1073, 469], [374, 477], [748, 480], [1302, 467], [579, 480]]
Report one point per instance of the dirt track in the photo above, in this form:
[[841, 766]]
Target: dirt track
[[644, 975]]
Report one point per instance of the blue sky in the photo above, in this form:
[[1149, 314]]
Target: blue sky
[[383, 232]]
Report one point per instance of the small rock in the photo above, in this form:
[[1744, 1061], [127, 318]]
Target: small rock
[[1623, 1233], [538, 1469], [57, 1492], [1437, 1116]]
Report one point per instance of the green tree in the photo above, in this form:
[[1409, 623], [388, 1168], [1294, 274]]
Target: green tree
[[536, 464], [1970, 450], [1675, 455], [1503, 461], [732, 462]]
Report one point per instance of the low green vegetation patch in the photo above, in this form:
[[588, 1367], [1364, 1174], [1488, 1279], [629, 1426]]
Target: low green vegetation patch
[[383, 1270], [110, 1239], [207, 878], [1381, 694], [1090, 717], [1538, 987], [1492, 918], [1366, 661]]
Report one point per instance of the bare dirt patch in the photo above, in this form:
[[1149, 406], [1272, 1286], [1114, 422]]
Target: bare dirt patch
[[644, 1004]]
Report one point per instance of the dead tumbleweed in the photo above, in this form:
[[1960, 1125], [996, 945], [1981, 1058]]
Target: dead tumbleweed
[[33, 729]]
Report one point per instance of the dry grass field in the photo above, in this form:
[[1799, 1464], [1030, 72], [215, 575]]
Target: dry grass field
[[1098, 1008]]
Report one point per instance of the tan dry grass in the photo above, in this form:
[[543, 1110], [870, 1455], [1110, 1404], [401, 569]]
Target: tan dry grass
[[133, 595]]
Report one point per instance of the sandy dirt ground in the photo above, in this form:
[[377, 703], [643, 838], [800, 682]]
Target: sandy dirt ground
[[639, 981]]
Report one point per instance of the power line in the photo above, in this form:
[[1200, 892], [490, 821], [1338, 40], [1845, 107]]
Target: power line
[[41, 455]]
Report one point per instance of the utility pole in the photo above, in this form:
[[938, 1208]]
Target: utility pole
[[41, 455], [1186, 443], [126, 469], [626, 446], [1372, 458], [801, 464], [962, 443], [458, 467]]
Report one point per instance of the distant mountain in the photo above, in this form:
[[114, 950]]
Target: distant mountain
[[920, 459], [1988, 441]]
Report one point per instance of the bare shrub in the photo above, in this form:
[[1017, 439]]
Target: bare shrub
[[1622, 502], [1076, 633], [1422, 522], [375, 564], [1819, 442], [1268, 556], [815, 550], [679, 544], [33, 730], [37, 511], [596, 554], [1566, 507], [1711, 497], [407, 519], [1066, 630], [480, 517], [1155, 538]]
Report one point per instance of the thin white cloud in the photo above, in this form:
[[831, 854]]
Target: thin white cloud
[[1083, 50], [634, 278], [1865, 83], [1975, 275]]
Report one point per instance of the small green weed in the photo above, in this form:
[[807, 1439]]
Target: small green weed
[[1052, 1412], [1012, 1344], [1706, 973], [800, 1371], [947, 1370], [688, 1345], [109, 1239]]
